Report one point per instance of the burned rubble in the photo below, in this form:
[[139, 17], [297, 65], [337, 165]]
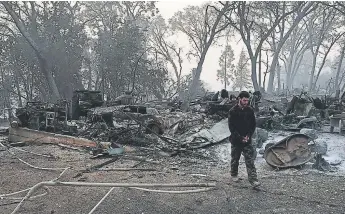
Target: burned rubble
[[162, 126], [188, 142]]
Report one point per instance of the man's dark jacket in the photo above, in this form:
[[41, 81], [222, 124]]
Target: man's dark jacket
[[241, 123]]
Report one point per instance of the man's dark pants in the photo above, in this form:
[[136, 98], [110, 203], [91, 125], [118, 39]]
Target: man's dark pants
[[249, 157]]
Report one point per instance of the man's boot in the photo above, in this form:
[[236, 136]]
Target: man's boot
[[235, 178], [255, 184]]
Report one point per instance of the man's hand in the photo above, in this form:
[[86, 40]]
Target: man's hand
[[245, 139]]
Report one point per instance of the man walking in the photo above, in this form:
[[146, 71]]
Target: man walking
[[242, 126]]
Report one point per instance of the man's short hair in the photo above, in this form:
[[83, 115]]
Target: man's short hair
[[244, 94], [224, 94]]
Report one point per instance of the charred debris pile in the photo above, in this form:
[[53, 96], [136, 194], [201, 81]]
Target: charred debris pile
[[162, 126]]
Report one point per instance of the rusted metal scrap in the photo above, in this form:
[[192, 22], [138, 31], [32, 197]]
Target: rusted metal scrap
[[292, 151]]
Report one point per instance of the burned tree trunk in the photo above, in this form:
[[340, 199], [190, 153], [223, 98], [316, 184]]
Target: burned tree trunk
[[260, 69], [196, 77], [325, 57], [38, 51], [282, 41], [337, 86], [278, 77], [254, 75], [208, 40], [20, 102]]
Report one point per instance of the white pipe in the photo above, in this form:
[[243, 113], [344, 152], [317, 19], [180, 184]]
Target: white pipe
[[104, 197]]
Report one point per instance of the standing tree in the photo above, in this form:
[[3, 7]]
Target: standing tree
[[121, 48], [203, 28], [284, 33], [39, 51], [254, 25], [293, 52], [320, 26], [242, 73], [168, 50], [337, 77], [56, 38], [227, 68], [332, 40]]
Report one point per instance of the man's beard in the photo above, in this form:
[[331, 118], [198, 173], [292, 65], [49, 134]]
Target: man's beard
[[244, 104]]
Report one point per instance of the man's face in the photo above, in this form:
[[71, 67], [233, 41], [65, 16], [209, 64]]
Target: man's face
[[244, 101]]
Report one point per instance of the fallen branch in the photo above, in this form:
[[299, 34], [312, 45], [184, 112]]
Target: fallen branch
[[10, 203], [137, 164], [90, 169], [140, 159], [70, 147], [168, 139]]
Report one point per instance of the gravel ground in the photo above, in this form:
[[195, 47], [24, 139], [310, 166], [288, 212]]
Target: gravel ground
[[289, 191]]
